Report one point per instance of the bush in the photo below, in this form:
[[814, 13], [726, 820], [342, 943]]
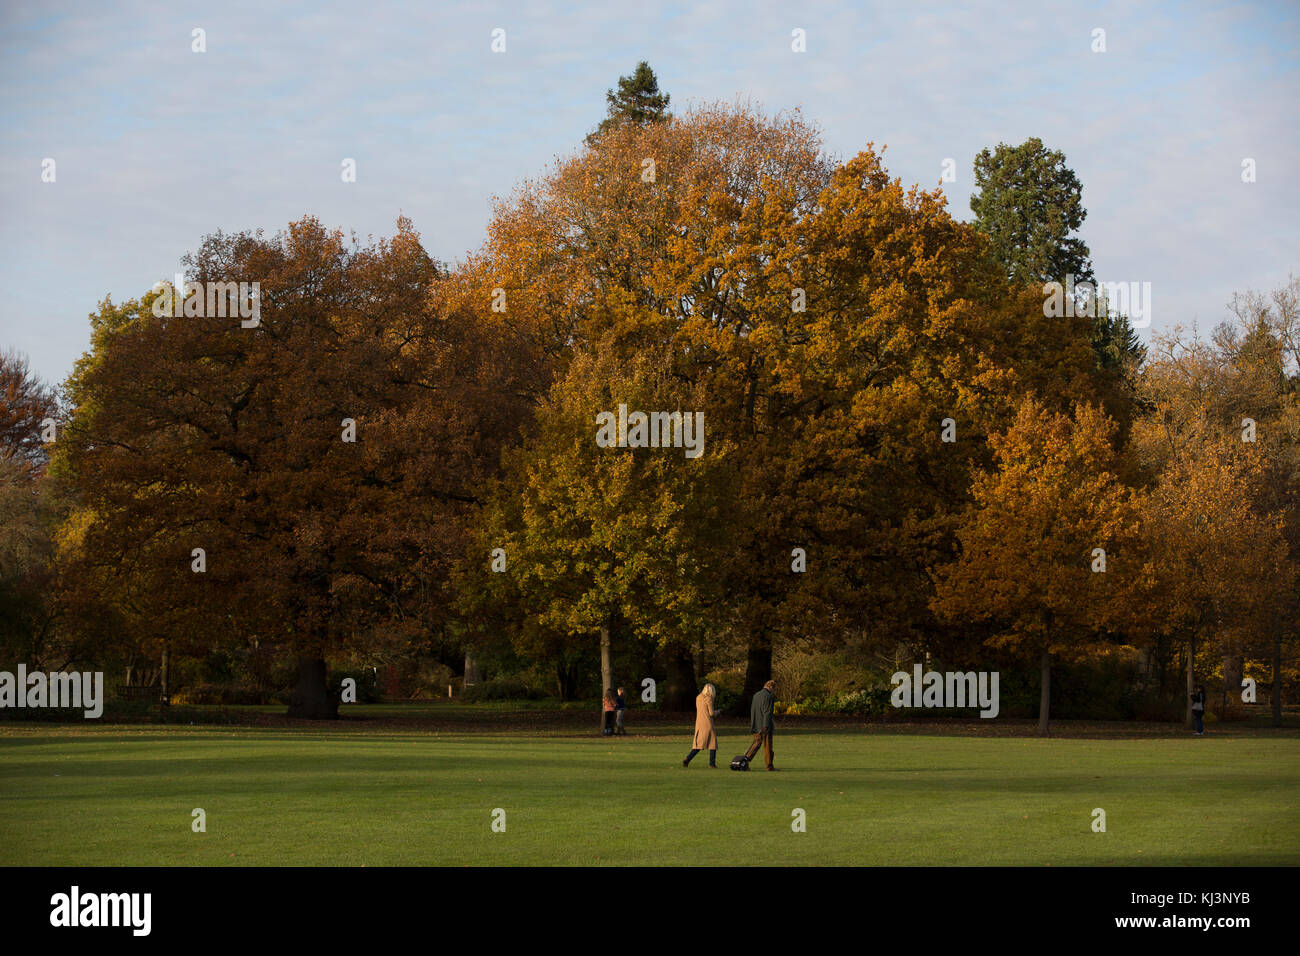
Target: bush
[[806, 675], [726, 700], [500, 690], [412, 678], [227, 694], [730, 685], [60, 715], [859, 703]]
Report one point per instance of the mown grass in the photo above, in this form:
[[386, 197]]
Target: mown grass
[[357, 795]]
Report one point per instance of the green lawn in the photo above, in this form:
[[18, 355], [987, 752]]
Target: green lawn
[[355, 795]]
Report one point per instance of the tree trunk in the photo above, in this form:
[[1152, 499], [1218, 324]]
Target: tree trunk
[[566, 677], [1045, 692], [1234, 666], [1277, 676], [472, 675], [606, 671], [163, 676], [1189, 721], [758, 671], [681, 678], [1162, 662], [312, 699]]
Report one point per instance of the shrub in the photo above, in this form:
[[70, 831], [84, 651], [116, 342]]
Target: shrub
[[859, 703], [500, 690], [725, 701], [226, 694], [730, 685]]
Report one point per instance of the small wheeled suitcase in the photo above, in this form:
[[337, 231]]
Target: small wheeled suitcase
[[742, 762]]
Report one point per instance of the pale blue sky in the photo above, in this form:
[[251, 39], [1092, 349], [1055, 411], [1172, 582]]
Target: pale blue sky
[[157, 146]]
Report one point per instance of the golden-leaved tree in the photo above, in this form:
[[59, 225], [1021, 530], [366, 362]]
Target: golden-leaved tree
[[663, 243], [1219, 438], [1050, 545], [827, 318], [583, 539]]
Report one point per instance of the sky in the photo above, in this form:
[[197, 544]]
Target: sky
[[156, 145]]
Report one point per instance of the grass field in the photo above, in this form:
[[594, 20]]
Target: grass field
[[384, 795]]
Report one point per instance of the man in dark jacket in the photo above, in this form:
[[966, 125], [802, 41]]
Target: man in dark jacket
[[760, 722]]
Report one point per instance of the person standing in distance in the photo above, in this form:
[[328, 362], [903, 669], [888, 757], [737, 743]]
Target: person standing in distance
[[609, 702], [1198, 709], [620, 705], [760, 722]]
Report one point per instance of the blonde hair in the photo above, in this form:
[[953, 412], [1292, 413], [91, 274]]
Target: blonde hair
[[709, 691]]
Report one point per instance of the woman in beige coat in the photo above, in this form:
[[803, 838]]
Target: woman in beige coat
[[705, 737]]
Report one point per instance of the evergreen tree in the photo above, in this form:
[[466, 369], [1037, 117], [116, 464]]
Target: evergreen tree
[[1118, 347], [638, 101], [1029, 203]]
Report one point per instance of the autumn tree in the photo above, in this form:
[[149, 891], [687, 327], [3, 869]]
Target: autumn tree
[[1264, 349], [831, 321], [1219, 568], [29, 510], [659, 239], [1050, 542], [913, 350], [1220, 438], [234, 470], [584, 535], [29, 411]]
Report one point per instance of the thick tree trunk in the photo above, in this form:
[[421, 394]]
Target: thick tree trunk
[[1189, 721], [681, 678], [472, 675], [1045, 691], [1277, 677], [312, 699], [606, 671], [606, 663], [758, 671]]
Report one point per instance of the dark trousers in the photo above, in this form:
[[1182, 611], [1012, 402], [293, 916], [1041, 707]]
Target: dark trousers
[[713, 756], [763, 740], [1198, 714]]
